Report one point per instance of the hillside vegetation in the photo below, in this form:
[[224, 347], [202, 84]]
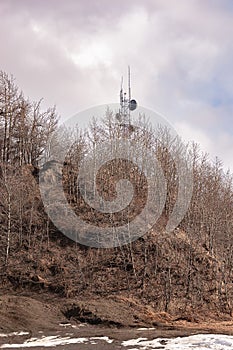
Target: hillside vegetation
[[186, 274]]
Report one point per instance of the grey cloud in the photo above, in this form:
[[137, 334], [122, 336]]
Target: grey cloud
[[73, 53]]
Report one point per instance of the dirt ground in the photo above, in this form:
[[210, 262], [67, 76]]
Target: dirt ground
[[118, 319]]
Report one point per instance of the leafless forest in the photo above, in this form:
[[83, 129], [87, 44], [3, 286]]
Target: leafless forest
[[187, 273]]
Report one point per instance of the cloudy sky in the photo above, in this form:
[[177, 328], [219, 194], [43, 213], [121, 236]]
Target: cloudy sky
[[74, 52]]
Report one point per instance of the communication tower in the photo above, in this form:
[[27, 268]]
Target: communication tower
[[126, 104]]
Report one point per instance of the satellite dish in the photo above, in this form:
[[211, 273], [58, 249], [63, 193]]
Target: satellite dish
[[132, 105]]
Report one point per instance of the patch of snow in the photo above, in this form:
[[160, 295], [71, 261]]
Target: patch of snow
[[200, 342], [2, 335], [45, 342], [80, 325], [133, 342], [52, 341], [203, 342], [142, 343], [109, 341]]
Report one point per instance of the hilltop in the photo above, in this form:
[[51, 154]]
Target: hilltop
[[184, 277]]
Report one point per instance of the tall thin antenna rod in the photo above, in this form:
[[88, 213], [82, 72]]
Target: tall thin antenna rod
[[129, 83]]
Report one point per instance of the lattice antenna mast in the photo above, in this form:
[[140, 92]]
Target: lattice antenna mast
[[126, 104]]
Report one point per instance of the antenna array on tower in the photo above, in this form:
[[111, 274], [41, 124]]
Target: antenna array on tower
[[126, 103]]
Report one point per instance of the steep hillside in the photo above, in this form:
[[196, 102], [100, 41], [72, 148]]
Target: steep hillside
[[185, 275]]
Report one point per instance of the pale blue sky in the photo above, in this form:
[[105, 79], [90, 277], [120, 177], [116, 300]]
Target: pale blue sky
[[74, 52]]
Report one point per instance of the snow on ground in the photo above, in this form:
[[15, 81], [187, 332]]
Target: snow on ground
[[2, 335], [53, 341], [199, 342]]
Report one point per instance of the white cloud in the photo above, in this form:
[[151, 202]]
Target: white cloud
[[190, 133], [220, 145]]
